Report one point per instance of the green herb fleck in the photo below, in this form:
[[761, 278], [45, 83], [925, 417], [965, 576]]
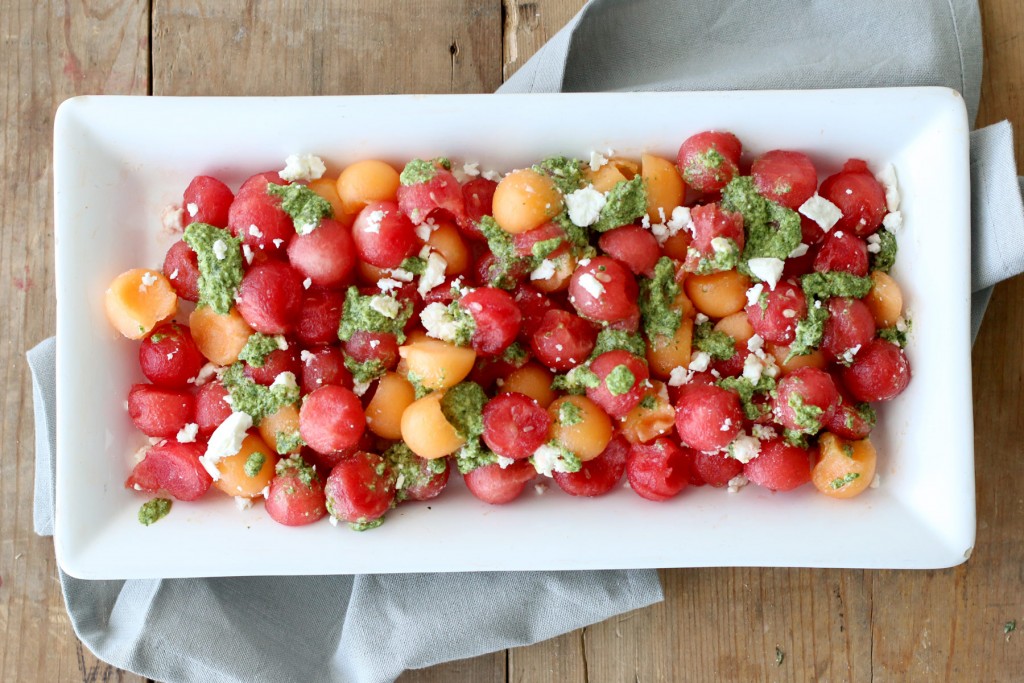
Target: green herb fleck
[[364, 372], [507, 264], [715, 343], [725, 256], [414, 265], [462, 406], [569, 414], [418, 171], [886, 256], [306, 207], [746, 390], [609, 339], [795, 438], [363, 314], [578, 237], [772, 230], [286, 442], [417, 385], [895, 335], [254, 399], [257, 348], [809, 331], [366, 525], [698, 165], [807, 416], [649, 402], [154, 510], [254, 464], [840, 482], [157, 337], [657, 300], [410, 470], [620, 380], [295, 466], [515, 355], [624, 203], [563, 459], [576, 381], [835, 283], [218, 277], [566, 173], [541, 250], [847, 450]]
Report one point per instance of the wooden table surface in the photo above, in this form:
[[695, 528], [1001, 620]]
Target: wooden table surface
[[715, 624]]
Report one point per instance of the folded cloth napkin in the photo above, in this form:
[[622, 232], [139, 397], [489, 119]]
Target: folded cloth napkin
[[370, 628]]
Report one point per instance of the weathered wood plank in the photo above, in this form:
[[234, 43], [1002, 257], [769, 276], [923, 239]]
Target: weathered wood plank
[[325, 48], [51, 51], [484, 669], [529, 24]]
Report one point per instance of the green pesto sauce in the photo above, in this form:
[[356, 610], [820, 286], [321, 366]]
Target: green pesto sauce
[[835, 283], [809, 331], [462, 405], [620, 380], [306, 207], [415, 265], [254, 399], [154, 510], [895, 336], [288, 441], [649, 402], [576, 381], [359, 316], [254, 464], [409, 470], [700, 165], [570, 461], [624, 203], [366, 525], [566, 173], [515, 355], [772, 230], [418, 171], [746, 390], [847, 450], [715, 343], [295, 466], [364, 372], [806, 416], [723, 259], [569, 414], [795, 438], [218, 278], [465, 323], [840, 482], [257, 348], [473, 455], [886, 256], [417, 385], [609, 339], [865, 412], [156, 338], [541, 250], [507, 263], [657, 300], [578, 237]]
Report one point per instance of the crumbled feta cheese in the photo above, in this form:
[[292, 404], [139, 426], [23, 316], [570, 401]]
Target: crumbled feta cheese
[[744, 448], [277, 242], [433, 274], [373, 221], [424, 252], [302, 167], [585, 205], [892, 190], [700, 361], [597, 160], [763, 432], [401, 274], [205, 374], [727, 425], [220, 249], [246, 252], [305, 228], [754, 294], [893, 221], [663, 231], [471, 169], [901, 324], [333, 520], [840, 233], [504, 462], [848, 355], [788, 313], [753, 368], [243, 503], [545, 270], [192, 209], [173, 275], [285, 379], [386, 306], [282, 342], [799, 251], [374, 343], [767, 270], [492, 175], [679, 376], [306, 356], [386, 284], [541, 488], [821, 211], [590, 283], [265, 492], [701, 318], [225, 441], [736, 483], [423, 230], [874, 243], [360, 388], [438, 323], [755, 343], [720, 245], [548, 459], [255, 231]]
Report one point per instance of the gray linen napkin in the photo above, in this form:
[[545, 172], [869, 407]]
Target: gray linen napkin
[[370, 628]]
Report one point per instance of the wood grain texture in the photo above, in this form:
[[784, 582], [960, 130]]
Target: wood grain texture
[[51, 51], [716, 624]]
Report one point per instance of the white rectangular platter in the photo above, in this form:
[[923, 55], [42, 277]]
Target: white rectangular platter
[[120, 161]]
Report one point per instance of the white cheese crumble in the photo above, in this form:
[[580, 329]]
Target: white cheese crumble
[[721, 245], [333, 520], [597, 160], [277, 242], [755, 344], [386, 306], [438, 323], [246, 252], [543, 271], [504, 462], [360, 388], [373, 221], [767, 270], [302, 167], [591, 284], [541, 488], [306, 356], [874, 243], [821, 211], [285, 379], [243, 503], [433, 274], [187, 434], [192, 209], [148, 279], [679, 376], [471, 169], [701, 318], [700, 361], [307, 283], [799, 251], [548, 459], [585, 205], [892, 189], [736, 483], [893, 221], [401, 274], [753, 368], [744, 448], [848, 355], [205, 374], [492, 175], [386, 284], [423, 230], [220, 249], [754, 294], [173, 275], [225, 441], [255, 231], [763, 432], [727, 425], [663, 231]]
